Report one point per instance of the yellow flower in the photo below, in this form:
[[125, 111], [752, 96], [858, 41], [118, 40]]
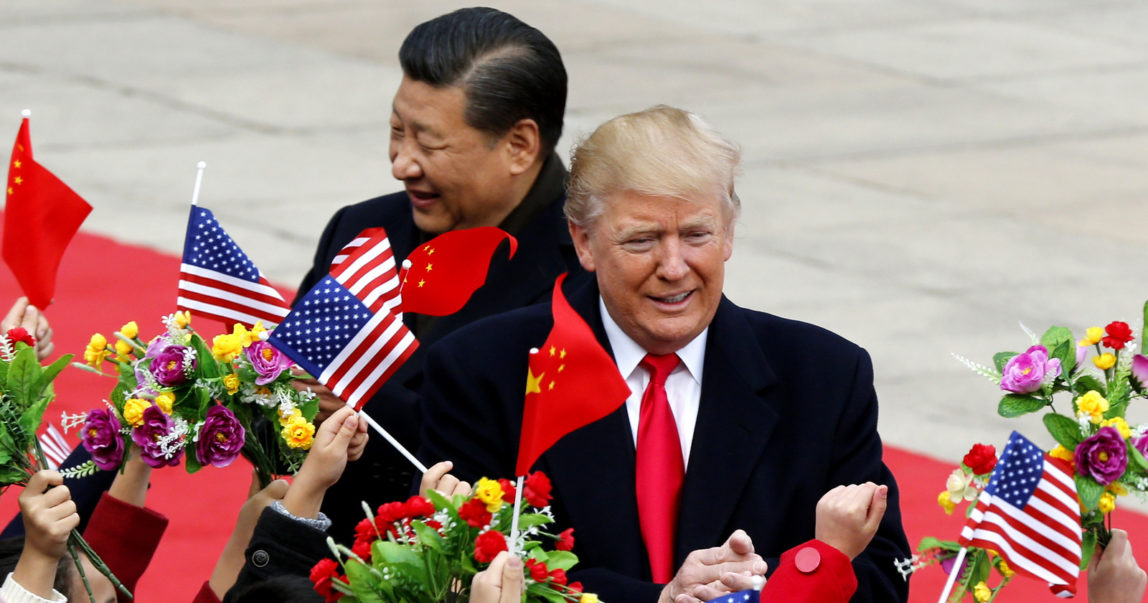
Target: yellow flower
[[94, 358], [130, 330], [182, 319], [164, 400], [946, 502], [133, 411], [1117, 488], [123, 348], [1120, 424], [226, 348], [1062, 453], [490, 493], [981, 592], [1107, 503], [1091, 403], [1092, 336], [231, 382], [284, 419], [98, 343], [257, 332], [242, 335], [588, 598], [1104, 361], [1005, 570], [299, 433]]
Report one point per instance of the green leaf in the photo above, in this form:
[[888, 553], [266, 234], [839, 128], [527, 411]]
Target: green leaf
[[190, 461], [1064, 430], [12, 475], [529, 520], [52, 370], [981, 567], [206, 365], [30, 420], [23, 376], [3, 372], [402, 558], [1137, 458], [1087, 547], [563, 560], [1000, 359], [427, 535], [929, 543], [359, 575], [1087, 383], [1144, 332], [1089, 492], [1015, 405], [1065, 351], [1054, 337]]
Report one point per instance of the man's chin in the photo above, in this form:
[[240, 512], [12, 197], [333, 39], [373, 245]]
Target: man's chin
[[430, 221]]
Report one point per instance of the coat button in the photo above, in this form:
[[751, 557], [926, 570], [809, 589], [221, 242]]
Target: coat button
[[260, 558], [807, 560]]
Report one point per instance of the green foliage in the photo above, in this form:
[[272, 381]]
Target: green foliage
[[1089, 492], [1087, 383], [1061, 345], [359, 576], [1064, 430], [1000, 359], [1015, 405], [1087, 547], [84, 469]]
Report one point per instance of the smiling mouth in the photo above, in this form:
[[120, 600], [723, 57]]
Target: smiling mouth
[[422, 198], [673, 299]]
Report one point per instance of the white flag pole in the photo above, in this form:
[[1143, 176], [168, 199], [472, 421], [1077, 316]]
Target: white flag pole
[[389, 438], [199, 167], [953, 574], [26, 113], [514, 521]]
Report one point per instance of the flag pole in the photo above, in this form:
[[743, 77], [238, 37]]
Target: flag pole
[[514, 521], [26, 113], [953, 574], [199, 167], [388, 437]]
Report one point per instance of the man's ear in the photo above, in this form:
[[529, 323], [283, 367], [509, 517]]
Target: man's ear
[[523, 145], [581, 237]]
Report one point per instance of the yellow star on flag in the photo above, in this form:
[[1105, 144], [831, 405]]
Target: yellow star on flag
[[19, 180], [551, 385], [430, 267], [10, 191], [533, 384], [16, 164], [553, 350], [422, 282], [563, 354]]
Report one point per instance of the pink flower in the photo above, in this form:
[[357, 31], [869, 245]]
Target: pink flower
[[1028, 372], [1140, 369], [267, 361]]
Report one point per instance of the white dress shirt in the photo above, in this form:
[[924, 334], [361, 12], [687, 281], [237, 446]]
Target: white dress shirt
[[683, 386]]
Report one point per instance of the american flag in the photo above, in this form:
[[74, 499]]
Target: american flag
[[349, 348], [366, 267], [218, 280], [743, 596], [1030, 514]]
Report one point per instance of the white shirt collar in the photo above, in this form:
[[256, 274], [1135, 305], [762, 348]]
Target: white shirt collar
[[627, 352]]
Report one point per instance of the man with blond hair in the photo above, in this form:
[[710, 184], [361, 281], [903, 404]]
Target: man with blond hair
[[737, 420]]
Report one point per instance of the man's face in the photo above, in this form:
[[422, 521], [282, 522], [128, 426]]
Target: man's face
[[660, 264], [455, 176]]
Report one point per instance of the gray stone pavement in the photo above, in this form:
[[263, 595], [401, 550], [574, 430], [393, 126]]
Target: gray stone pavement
[[919, 175]]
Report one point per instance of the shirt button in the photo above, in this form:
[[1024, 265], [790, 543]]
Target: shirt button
[[807, 560], [260, 558]]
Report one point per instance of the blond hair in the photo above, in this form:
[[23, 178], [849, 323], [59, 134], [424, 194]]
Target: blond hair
[[661, 151]]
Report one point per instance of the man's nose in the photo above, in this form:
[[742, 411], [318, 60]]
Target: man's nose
[[403, 164], [672, 264]]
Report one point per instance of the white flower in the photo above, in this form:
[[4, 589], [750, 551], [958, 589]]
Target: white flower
[[961, 486]]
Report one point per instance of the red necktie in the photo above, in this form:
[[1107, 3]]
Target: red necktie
[[659, 468]]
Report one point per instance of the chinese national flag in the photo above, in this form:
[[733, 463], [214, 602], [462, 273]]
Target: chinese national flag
[[571, 382], [449, 268], [41, 217]]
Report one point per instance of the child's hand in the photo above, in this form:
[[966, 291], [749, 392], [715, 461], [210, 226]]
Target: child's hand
[[848, 516], [49, 517], [436, 478], [324, 464]]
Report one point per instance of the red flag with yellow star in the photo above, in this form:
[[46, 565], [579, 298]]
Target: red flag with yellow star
[[41, 217], [571, 382], [448, 269]]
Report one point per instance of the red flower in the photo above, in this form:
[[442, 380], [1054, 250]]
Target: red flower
[[981, 459], [474, 513], [362, 548], [558, 576], [418, 506], [322, 575], [1118, 334], [390, 512], [538, 571], [536, 489], [365, 529], [508, 490], [434, 525], [488, 545], [565, 540], [21, 334], [574, 587]]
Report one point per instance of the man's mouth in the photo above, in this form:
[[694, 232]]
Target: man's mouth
[[422, 199], [673, 299]]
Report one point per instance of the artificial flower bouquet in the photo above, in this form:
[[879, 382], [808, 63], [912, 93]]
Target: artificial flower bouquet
[[1094, 379], [428, 550], [25, 392], [177, 398]]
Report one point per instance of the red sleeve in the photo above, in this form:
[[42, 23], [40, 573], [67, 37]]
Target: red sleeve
[[205, 595], [125, 537], [813, 572]]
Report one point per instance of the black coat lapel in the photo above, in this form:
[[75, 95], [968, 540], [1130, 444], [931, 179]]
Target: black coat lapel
[[734, 422]]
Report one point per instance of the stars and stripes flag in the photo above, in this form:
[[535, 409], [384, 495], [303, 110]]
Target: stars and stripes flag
[[742, 596], [366, 267], [217, 280], [1030, 514]]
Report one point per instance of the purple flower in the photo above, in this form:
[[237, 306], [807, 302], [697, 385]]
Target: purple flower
[[1140, 369], [1025, 373], [1102, 457], [267, 361], [220, 438], [167, 366], [101, 436], [1141, 444], [1081, 354], [156, 425]]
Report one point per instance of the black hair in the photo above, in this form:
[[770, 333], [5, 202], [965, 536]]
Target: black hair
[[12, 548], [508, 70], [280, 589]]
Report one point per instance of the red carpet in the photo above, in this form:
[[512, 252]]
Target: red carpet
[[103, 284]]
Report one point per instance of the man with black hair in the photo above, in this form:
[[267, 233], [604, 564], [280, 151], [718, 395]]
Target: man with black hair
[[474, 124]]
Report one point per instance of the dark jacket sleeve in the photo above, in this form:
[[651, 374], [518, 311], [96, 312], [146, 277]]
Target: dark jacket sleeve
[[125, 537], [279, 546]]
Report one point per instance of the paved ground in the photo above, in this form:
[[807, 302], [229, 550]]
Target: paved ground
[[919, 175]]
